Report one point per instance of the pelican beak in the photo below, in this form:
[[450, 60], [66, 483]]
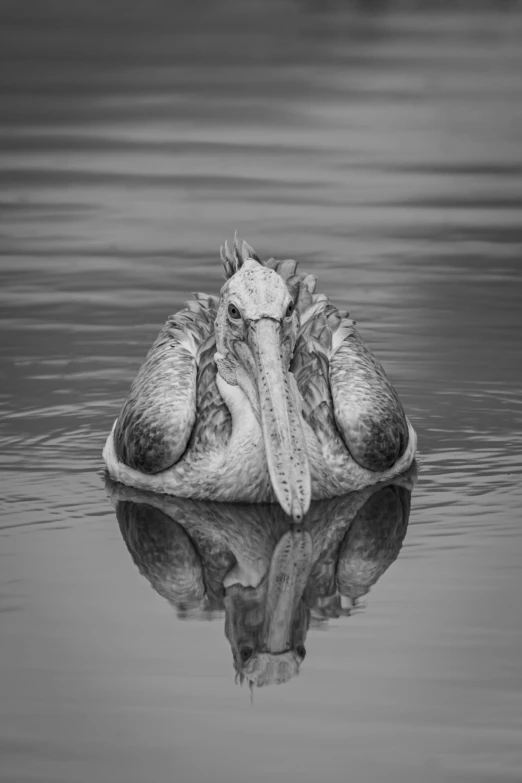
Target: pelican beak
[[289, 571], [281, 424]]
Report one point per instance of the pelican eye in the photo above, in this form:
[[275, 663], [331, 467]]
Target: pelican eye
[[289, 309], [234, 312], [246, 654]]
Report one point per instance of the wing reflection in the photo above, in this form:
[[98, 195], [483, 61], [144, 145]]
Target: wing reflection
[[270, 578]]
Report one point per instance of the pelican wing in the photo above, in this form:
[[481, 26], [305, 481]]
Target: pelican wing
[[213, 420], [159, 414], [311, 362], [367, 409], [347, 399]]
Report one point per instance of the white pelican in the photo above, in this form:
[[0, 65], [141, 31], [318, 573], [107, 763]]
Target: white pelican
[[265, 394]]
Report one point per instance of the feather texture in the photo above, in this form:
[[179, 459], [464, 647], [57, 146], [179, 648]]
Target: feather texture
[[367, 408], [176, 434], [158, 416]]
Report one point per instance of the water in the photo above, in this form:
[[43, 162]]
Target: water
[[382, 149]]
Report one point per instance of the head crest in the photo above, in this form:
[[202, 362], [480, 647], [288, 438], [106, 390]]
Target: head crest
[[234, 260]]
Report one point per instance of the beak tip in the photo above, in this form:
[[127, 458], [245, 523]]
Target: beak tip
[[298, 511]]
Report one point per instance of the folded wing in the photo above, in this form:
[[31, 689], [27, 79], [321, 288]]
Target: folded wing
[[348, 400], [159, 414]]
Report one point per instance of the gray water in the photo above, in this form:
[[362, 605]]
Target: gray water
[[381, 147]]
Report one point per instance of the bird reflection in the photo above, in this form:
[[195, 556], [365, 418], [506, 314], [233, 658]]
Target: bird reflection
[[271, 579]]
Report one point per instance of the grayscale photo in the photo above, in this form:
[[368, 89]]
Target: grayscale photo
[[260, 391]]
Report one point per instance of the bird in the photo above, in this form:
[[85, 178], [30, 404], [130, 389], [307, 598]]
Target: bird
[[265, 394]]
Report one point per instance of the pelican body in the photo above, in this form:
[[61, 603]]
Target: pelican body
[[265, 394]]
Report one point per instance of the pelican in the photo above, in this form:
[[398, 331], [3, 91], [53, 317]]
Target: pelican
[[265, 394]]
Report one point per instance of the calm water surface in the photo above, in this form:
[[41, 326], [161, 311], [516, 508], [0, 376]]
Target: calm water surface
[[382, 150]]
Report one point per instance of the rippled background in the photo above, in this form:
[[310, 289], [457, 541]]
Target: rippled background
[[380, 144]]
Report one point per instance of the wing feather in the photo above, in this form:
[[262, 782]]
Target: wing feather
[[367, 409], [158, 416], [310, 367], [213, 421], [347, 399]]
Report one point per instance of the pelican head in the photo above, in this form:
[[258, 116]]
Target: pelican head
[[256, 329]]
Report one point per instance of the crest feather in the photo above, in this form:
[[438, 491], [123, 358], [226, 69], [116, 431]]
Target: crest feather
[[234, 259]]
